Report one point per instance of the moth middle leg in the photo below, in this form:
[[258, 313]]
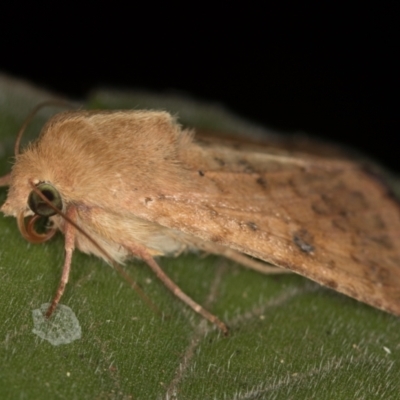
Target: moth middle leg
[[142, 253]]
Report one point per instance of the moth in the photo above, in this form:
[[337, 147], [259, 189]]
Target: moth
[[123, 184]]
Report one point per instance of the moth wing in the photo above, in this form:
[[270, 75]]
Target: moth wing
[[328, 220]]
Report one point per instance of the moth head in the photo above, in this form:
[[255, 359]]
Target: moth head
[[33, 203]]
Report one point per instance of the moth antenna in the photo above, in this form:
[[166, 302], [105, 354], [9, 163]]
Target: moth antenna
[[67, 263], [5, 180], [32, 114]]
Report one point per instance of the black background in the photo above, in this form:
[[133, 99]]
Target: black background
[[332, 73]]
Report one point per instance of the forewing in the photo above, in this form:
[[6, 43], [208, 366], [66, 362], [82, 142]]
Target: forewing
[[328, 220]]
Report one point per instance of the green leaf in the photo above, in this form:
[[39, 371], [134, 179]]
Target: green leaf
[[290, 338]]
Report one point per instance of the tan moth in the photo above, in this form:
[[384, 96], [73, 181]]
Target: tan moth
[[135, 184]]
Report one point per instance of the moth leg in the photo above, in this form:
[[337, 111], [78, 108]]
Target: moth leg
[[240, 258], [5, 180], [176, 290], [253, 264], [70, 232]]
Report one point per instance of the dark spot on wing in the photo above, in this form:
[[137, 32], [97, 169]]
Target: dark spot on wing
[[262, 182], [376, 273], [352, 292], [216, 239], [382, 240], [341, 223], [246, 166], [373, 272], [331, 264], [331, 284], [252, 225], [220, 161], [380, 179], [356, 200], [320, 207], [148, 200], [310, 183], [340, 201], [303, 240], [377, 222], [201, 173]]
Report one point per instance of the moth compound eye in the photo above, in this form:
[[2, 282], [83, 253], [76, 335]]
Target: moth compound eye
[[39, 206]]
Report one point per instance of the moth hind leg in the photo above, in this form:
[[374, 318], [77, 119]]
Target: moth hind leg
[[243, 259], [251, 263]]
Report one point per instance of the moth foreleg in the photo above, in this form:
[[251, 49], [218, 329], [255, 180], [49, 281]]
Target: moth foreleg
[[5, 180], [70, 232]]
